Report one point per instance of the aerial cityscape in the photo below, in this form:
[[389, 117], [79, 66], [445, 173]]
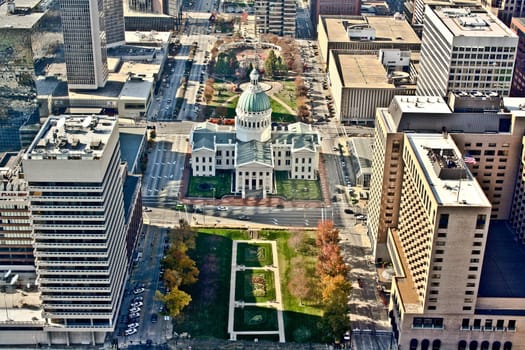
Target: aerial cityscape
[[262, 174]]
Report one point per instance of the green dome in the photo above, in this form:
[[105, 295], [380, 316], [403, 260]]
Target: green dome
[[250, 101], [254, 99]]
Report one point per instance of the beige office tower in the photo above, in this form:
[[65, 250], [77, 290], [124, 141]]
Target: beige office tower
[[275, 17], [75, 183], [443, 192]]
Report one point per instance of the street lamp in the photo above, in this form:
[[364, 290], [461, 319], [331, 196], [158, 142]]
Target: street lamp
[[213, 189]]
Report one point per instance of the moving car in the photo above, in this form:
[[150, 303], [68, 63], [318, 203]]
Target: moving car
[[222, 208]]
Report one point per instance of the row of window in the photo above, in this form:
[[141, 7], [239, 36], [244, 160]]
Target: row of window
[[488, 325], [481, 221]]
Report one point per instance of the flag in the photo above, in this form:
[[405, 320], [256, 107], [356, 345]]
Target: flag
[[469, 160]]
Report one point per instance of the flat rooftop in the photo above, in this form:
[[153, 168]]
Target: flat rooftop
[[25, 21], [362, 71], [68, 137], [472, 22], [130, 141], [20, 305], [421, 104], [388, 29], [503, 265], [147, 37], [451, 181]]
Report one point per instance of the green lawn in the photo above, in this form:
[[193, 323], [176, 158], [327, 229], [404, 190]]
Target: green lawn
[[254, 254], [287, 94], [280, 114], [255, 286], [254, 318], [297, 189], [300, 321], [207, 314], [221, 182]]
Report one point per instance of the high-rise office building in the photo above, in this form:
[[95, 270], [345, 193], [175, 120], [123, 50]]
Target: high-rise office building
[[84, 28], [275, 16], [114, 18], [441, 199], [75, 181], [505, 9], [333, 7], [16, 243], [518, 81], [22, 41], [465, 49]]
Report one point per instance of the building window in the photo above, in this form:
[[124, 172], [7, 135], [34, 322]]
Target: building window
[[481, 221], [465, 324], [443, 221], [512, 325]]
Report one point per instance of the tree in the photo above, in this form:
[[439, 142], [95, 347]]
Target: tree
[[175, 300], [335, 287], [326, 233], [330, 262], [269, 64], [299, 284]]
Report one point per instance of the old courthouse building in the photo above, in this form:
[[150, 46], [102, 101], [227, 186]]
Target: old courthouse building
[[252, 150]]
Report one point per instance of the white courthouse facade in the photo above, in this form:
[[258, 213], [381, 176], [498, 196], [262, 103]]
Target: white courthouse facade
[[252, 150]]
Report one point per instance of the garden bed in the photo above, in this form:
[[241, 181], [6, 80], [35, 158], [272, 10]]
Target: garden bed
[[254, 254], [255, 286]]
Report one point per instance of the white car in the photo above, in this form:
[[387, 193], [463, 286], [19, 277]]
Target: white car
[[137, 304], [138, 290], [134, 315], [130, 331], [134, 310], [133, 325], [222, 208]]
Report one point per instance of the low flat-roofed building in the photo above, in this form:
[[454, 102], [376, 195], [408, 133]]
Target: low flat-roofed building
[[133, 142], [130, 85], [361, 151], [146, 21], [361, 83], [365, 34], [21, 320]]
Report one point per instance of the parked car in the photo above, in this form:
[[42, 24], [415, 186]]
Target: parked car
[[134, 315], [138, 290], [130, 331], [134, 310], [243, 217], [133, 325], [139, 298], [137, 304], [154, 318]]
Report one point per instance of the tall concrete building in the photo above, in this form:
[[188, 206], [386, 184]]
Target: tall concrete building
[[441, 200], [505, 9], [465, 49], [16, 244], [333, 7], [114, 18], [518, 81], [275, 16], [75, 181], [23, 40], [84, 29]]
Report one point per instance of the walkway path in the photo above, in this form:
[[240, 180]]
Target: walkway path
[[278, 304]]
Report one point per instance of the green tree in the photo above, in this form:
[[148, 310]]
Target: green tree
[[269, 64]]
